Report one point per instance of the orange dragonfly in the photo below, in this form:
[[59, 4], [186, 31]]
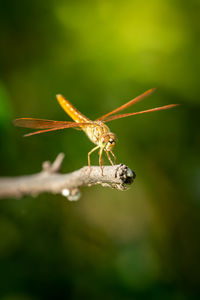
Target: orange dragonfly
[[97, 131]]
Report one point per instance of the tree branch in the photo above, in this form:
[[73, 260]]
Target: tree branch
[[51, 181]]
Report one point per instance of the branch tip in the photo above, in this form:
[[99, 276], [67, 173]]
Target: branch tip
[[54, 167]]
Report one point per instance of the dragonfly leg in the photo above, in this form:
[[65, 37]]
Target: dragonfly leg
[[110, 160], [115, 159], [101, 160], [89, 162]]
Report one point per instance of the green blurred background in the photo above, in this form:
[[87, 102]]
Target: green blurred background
[[139, 244]]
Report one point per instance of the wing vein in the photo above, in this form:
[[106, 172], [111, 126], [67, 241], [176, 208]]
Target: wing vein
[[139, 112], [129, 103]]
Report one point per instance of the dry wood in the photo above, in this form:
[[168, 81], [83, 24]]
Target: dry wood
[[51, 181]]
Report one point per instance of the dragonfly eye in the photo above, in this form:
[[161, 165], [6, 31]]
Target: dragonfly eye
[[108, 141]]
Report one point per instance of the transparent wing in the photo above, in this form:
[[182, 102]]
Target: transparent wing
[[46, 125], [131, 102], [39, 123], [139, 112]]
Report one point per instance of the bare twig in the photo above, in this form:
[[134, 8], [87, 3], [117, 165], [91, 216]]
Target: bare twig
[[49, 180]]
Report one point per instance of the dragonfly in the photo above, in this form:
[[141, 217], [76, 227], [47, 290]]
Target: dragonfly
[[97, 131]]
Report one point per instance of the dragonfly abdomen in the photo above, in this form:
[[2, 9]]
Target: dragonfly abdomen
[[76, 115]]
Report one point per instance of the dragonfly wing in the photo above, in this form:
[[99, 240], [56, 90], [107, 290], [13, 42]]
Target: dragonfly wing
[[58, 126], [139, 112], [46, 130], [39, 123], [129, 103]]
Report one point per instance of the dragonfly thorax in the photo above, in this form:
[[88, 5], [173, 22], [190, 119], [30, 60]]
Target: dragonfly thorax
[[100, 135]]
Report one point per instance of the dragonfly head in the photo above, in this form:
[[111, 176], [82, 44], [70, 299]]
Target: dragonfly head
[[108, 141]]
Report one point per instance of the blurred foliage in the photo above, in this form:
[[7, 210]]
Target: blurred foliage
[[140, 244]]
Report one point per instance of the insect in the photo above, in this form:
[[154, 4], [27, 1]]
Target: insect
[[97, 131]]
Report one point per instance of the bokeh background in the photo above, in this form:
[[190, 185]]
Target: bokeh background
[[139, 244]]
